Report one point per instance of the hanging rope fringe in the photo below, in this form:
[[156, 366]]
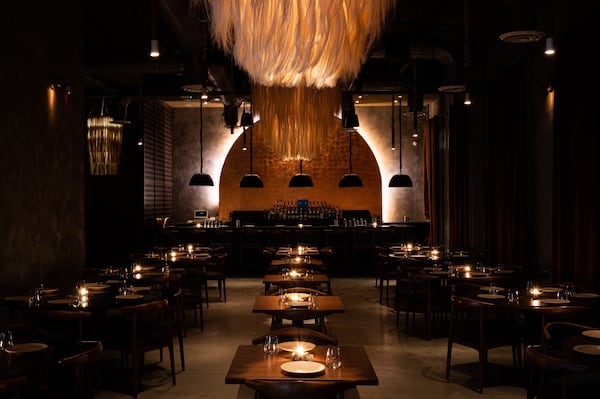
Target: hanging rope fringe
[[104, 145]]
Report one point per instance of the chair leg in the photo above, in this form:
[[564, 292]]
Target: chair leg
[[448, 359], [224, 292]]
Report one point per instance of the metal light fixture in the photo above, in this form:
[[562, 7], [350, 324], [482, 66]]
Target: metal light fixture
[[399, 180], [250, 180], [301, 180], [201, 179], [104, 142], [550, 50], [350, 179]]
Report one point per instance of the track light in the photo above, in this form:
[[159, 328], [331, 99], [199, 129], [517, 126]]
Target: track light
[[550, 50]]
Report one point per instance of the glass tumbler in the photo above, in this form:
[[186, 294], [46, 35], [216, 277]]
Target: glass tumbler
[[271, 345], [333, 358]]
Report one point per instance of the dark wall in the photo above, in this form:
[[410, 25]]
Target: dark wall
[[42, 134]]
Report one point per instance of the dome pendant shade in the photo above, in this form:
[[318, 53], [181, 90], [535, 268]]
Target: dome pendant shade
[[400, 181], [251, 180], [301, 180], [201, 179], [350, 180]]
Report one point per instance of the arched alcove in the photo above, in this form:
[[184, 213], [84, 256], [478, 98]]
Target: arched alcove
[[326, 172]]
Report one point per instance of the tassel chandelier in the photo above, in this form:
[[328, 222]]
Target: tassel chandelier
[[296, 52]]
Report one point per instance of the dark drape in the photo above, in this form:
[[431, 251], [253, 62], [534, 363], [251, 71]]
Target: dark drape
[[507, 169], [576, 197], [458, 164], [431, 170]]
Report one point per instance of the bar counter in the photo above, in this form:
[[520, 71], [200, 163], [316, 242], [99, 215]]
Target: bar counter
[[346, 250]]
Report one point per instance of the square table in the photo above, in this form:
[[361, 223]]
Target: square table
[[250, 363], [273, 306], [316, 280]]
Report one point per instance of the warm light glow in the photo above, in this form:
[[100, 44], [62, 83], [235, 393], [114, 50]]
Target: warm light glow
[[137, 268], [535, 292], [295, 53]]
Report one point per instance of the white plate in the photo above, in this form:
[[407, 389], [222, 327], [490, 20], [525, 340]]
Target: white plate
[[593, 334], [61, 301], [26, 348], [298, 304], [550, 289], [554, 301], [478, 274], [585, 295], [489, 288], [129, 297], [291, 346], [49, 290], [491, 296], [97, 287], [302, 367], [17, 298], [587, 349], [139, 289]]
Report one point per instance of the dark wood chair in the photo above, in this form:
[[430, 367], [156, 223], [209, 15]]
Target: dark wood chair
[[296, 389], [193, 292], [10, 387], [215, 271], [79, 368], [423, 294], [286, 334], [480, 326], [543, 315], [142, 328]]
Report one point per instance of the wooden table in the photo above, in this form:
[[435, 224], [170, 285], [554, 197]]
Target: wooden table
[[272, 305], [250, 362], [315, 280]]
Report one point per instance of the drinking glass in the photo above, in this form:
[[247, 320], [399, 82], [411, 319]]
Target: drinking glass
[[271, 346], [512, 295], [333, 358]]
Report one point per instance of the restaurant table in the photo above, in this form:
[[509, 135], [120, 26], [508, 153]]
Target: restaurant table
[[295, 251], [588, 356], [315, 280], [275, 307], [250, 363], [32, 362]]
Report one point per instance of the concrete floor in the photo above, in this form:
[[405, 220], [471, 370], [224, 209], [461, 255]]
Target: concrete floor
[[406, 365]]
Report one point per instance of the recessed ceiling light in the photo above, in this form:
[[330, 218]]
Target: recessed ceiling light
[[522, 36]]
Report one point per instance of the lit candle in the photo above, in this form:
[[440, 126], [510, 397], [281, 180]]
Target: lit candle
[[83, 291], [409, 247], [535, 292], [190, 248], [137, 267]]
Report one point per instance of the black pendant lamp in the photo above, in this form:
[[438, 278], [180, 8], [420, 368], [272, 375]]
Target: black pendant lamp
[[350, 179], [399, 180], [250, 180], [301, 180], [201, 179]]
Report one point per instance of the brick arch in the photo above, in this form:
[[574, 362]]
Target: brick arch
[[325, 172]]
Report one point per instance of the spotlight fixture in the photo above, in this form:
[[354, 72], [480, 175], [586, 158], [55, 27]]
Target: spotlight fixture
[[399, 180], [467, 100], [300, 180], [550, 50], [154, 48], [201, 179]]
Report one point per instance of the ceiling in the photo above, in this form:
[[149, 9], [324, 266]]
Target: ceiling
[[422, 46]]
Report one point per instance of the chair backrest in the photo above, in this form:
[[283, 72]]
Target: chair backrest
[[574, 314], [287, 334], [296, 389], [156, 315], [557, 331], [84, 352]]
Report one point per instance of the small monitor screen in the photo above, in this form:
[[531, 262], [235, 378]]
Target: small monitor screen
[[200, 214], [302, 204]]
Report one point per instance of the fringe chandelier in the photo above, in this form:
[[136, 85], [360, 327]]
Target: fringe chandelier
[[296, 52]]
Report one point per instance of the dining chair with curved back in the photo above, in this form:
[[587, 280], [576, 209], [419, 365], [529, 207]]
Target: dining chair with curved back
[[480, 326], [193, 293], [570, 314], [298, 389], [286, 334], [215, 270], [142, 328], [80, 369], [546, 361]]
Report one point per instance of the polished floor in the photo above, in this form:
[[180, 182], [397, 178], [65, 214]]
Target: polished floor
[[407, 366]]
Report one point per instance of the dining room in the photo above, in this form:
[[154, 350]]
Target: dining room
[[504, 188]]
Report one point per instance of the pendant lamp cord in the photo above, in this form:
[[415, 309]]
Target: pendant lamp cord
[[201, 139], [400, 134], [250, 149], [350, 149]]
